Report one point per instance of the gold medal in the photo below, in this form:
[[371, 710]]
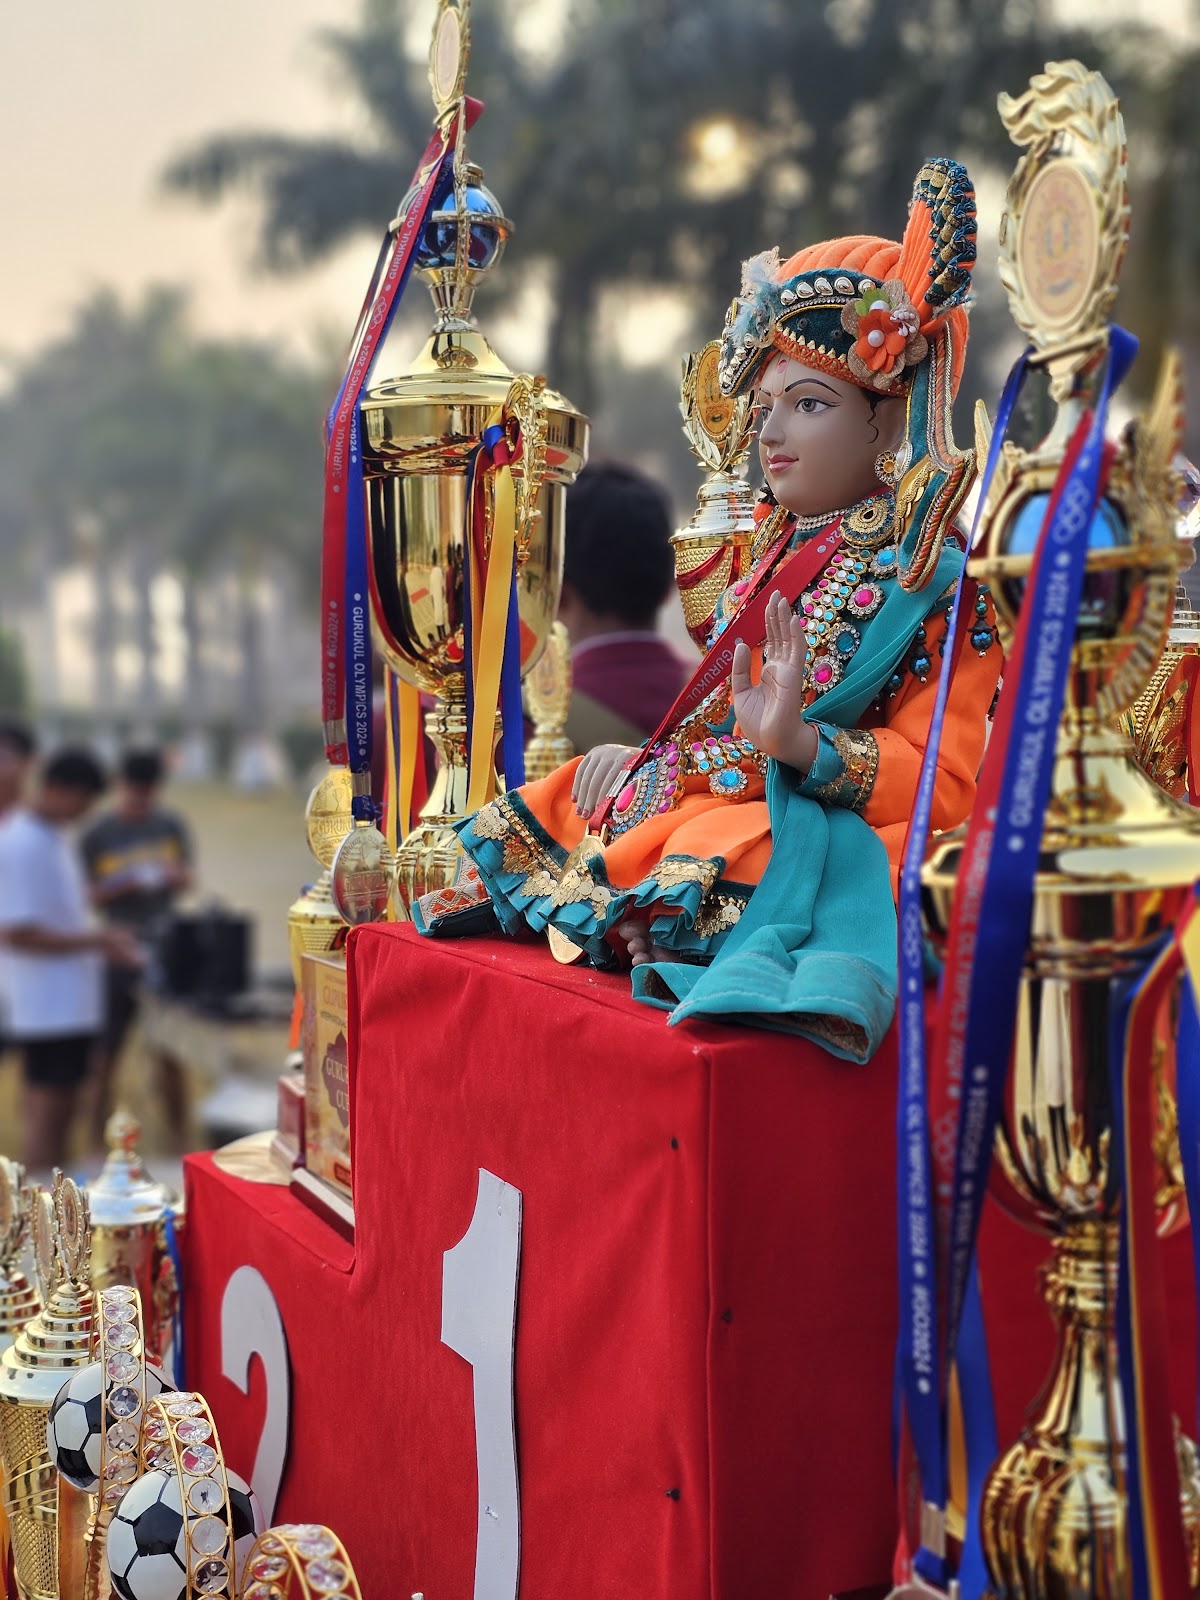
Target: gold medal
[[327, 818], [362, 875]]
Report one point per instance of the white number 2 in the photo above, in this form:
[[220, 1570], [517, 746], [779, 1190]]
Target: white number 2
[[479, 1310], [252, 1326]]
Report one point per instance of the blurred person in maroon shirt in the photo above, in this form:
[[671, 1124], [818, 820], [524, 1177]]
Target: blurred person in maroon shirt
[[618, 572]]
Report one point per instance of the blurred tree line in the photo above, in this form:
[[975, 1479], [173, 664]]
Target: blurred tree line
[[136, 449], [659, 142]]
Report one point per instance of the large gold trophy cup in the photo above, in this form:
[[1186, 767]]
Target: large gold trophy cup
[[421, 423], [1118, 856]]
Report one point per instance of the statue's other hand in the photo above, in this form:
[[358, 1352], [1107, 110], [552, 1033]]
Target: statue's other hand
[[595, 773]]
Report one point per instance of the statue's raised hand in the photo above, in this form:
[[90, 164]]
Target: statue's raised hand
[[595, 773], [769, 712]]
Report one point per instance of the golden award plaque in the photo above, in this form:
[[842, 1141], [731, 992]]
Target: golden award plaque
[[448, 55]]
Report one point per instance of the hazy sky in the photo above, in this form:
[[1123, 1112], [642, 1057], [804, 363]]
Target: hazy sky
[[96, 96]]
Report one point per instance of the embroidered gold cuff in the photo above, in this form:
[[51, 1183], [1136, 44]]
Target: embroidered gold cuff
[[858, 751]]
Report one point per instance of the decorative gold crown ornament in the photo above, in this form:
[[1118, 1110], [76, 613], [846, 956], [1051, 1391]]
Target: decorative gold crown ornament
[[52, 1344], [18, 1297], [713, 551], [132, 1215], [1118, 856], [422, 420]]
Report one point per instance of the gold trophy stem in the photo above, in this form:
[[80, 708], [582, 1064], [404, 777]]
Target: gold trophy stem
[[429, 856], [1054, 1508]]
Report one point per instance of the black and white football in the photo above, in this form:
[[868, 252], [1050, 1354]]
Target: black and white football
[[147, 1549], [74, 1424]]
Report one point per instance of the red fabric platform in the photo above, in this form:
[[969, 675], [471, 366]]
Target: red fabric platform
[[706, 1306]]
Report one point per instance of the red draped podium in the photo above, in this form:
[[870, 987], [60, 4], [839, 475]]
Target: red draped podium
[[705, 1316]]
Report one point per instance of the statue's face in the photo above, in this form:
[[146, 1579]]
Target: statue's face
[[818, 440]]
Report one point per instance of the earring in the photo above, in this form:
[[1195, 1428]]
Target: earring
[[891, 465]]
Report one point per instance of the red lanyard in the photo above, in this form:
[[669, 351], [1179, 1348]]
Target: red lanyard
[[748, 625]]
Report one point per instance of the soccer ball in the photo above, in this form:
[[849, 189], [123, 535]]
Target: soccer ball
[[147, 1551], [74, 1425]]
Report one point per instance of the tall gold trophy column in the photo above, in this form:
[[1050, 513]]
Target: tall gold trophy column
[[421, 422], [1118, 856], [32, 1370], [714, 550]]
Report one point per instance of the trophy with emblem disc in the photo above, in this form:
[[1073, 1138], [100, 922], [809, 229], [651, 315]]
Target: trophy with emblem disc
[[1118, 857]]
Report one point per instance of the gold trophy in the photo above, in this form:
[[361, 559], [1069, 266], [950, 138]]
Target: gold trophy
[[547, 690], [18, 1298], [32, 1370], [1118, 856], [713, 551], [421, 421], [314, 924], [130, 1216]]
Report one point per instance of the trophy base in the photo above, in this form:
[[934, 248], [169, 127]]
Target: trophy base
[[427, 861]]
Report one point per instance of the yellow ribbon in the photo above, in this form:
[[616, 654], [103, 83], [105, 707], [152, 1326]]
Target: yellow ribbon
[[491, 628], [392, 809], [410, 744]]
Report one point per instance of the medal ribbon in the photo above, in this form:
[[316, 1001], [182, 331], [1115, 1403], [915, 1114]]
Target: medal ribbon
[[343, 463], [1187, 1083], [994, 899], [917, 1363], [748, 625]]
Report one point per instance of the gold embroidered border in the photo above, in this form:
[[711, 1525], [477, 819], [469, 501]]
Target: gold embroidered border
[[717, 914], [859, 752]]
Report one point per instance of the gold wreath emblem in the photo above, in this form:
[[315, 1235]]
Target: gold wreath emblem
[[74, 1228], [1063, 234]]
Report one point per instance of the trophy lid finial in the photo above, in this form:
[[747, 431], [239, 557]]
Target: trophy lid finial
[[124, 1192]]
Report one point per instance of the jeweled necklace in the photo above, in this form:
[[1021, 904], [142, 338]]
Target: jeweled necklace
[[844, 593]]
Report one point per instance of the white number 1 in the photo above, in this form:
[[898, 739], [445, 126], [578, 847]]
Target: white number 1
[[479, 1311]]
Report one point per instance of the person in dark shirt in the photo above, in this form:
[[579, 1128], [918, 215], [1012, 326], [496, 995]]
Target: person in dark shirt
[[618, 571], [138, 858]]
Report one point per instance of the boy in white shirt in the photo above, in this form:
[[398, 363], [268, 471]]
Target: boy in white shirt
[[54, 954]]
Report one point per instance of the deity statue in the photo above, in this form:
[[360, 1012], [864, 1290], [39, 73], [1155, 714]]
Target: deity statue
[[744, 861]]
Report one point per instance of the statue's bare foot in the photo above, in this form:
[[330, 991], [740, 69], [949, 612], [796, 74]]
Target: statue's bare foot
[[637, 943]]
